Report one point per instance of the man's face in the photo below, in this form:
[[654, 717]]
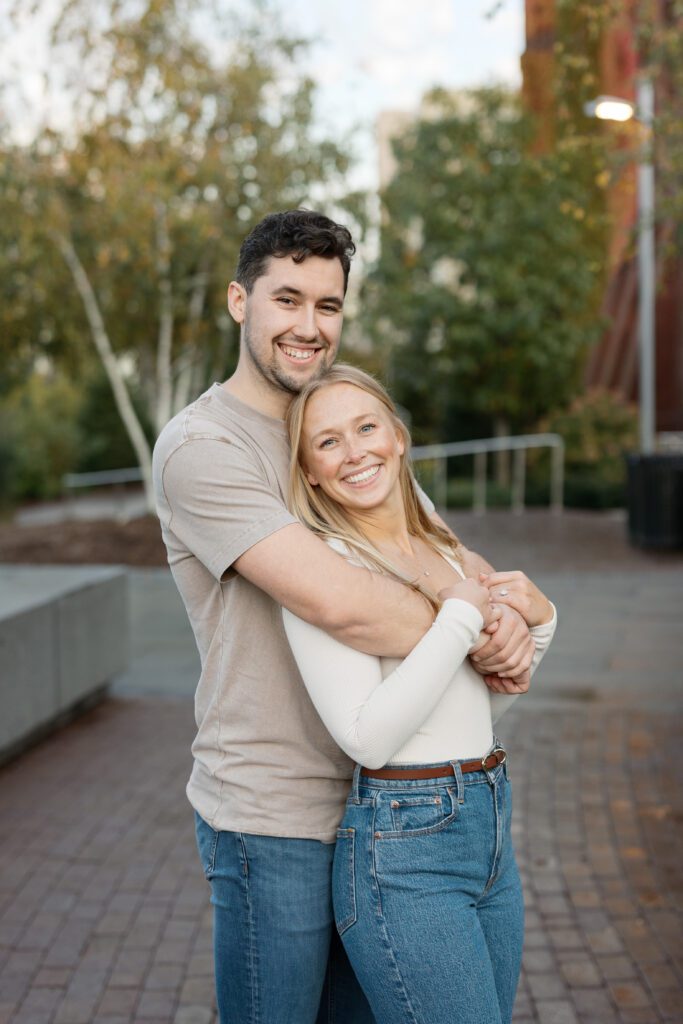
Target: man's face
[[292, 320]]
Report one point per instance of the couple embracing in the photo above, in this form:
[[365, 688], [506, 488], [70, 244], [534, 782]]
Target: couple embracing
[[352, 804]]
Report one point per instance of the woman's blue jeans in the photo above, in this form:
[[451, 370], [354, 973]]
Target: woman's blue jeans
[[427, 897], [278, 959]]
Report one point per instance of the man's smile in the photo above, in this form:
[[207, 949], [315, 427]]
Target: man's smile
[[298, 355]]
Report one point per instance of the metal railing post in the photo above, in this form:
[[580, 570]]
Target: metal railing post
[[479, 489], [557, 478], [518, 480], [441, 484]]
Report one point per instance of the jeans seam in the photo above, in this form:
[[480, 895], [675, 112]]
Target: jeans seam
[[497, 853], [253, 950], [384, 931]]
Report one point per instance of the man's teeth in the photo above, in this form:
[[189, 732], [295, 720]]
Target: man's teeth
[[359, 478], [299, 353]]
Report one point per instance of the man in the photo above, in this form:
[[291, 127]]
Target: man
[[268, 784]]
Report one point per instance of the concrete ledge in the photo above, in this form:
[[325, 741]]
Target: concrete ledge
[[63, 636]]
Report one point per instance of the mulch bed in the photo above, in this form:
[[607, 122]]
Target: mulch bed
[[105, 542]]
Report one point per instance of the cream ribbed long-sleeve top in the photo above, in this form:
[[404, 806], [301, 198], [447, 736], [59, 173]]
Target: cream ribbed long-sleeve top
[[432, 706]]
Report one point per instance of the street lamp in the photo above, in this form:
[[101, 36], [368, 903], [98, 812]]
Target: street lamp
[[612, 108]]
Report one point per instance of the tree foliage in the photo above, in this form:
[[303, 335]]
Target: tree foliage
[[486, 288], [184, 131]]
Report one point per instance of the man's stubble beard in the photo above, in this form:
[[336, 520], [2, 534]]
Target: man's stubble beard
[[273, 375]]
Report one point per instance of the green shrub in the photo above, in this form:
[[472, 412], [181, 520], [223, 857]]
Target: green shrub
[[598, 429], [42, 439]]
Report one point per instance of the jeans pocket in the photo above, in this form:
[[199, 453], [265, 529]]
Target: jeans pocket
[[401, 815], [207, 844], [344, 880]]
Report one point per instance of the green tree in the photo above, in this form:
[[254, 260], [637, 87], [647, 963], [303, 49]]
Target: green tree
[[484, 296], [129, 220]]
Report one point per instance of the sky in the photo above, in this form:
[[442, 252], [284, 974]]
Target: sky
[[367, 56], [374, 55]]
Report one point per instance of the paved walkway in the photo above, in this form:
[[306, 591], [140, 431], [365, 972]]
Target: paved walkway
[[104, 914]]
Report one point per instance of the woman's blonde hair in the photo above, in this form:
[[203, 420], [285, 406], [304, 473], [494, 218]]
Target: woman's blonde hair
[[331, 521]]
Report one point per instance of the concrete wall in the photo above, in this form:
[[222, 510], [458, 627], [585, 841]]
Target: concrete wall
[[63, 636]]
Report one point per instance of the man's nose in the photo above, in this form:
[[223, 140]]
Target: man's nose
[[306, 328]]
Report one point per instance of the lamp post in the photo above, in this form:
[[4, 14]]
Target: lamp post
[[655, 481], [612, 108]]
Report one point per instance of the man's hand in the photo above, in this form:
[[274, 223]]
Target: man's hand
[[505, 649]]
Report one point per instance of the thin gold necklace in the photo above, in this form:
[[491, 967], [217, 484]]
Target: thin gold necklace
[[423, 570]]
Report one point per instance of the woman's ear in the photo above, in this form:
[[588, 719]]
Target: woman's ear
[[311, 479], [400, 441]]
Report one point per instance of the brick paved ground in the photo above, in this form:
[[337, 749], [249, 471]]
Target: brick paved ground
[[104, 914], [103, 909]]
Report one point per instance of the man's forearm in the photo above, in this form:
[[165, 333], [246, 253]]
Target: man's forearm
[[360, 608], [392, 621], [473, 564]]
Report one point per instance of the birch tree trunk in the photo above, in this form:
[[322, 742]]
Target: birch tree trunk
[[105, 351], [162, 406], [185, 370]]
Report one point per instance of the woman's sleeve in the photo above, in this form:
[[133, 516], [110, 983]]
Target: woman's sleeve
[[542, 635], [370, 717]]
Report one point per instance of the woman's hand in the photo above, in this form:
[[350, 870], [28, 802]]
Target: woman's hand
[[504, 684], [476, 594], [517, 591]]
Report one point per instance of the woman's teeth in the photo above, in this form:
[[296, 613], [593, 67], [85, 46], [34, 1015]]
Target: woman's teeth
[[299, 353], [360, 478]]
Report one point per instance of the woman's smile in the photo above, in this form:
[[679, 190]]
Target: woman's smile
[[364, 476]]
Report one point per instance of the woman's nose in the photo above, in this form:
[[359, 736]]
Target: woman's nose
[[354, 453]]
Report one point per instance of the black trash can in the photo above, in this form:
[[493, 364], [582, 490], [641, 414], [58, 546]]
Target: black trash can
[[655, 500]]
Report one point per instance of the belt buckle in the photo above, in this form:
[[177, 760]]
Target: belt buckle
[[494, 753]]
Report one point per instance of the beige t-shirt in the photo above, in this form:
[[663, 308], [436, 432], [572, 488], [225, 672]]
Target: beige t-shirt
[[263, 761]]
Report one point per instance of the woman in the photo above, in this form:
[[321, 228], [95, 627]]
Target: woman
[[427, 894]]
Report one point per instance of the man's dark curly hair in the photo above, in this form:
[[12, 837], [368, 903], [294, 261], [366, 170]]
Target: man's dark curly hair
[[295, 233]]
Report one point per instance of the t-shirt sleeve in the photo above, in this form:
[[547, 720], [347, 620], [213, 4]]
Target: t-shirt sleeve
[[221, 501]]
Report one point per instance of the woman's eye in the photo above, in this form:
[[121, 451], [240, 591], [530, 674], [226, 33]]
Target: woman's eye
[[367, 426], [327, 442]]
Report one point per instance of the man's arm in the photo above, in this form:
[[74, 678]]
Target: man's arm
[[363, 609]]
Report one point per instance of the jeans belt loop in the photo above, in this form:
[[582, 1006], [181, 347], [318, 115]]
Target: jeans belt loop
[[355, 795], [459, 782]]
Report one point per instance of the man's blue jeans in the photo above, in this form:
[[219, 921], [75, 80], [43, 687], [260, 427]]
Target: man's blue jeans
[[277, 955], [427, 897]]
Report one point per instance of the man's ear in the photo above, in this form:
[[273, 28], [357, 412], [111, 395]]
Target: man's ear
[[237, 300]]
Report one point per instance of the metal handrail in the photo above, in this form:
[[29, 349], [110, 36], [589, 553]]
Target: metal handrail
[[101, 478], [440, 453]]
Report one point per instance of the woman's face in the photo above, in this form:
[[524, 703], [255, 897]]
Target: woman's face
[[351, 448]]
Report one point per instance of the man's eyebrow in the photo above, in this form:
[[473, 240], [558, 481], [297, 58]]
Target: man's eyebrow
[[285, 289]]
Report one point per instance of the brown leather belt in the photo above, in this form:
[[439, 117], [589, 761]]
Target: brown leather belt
[[478, 764]]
